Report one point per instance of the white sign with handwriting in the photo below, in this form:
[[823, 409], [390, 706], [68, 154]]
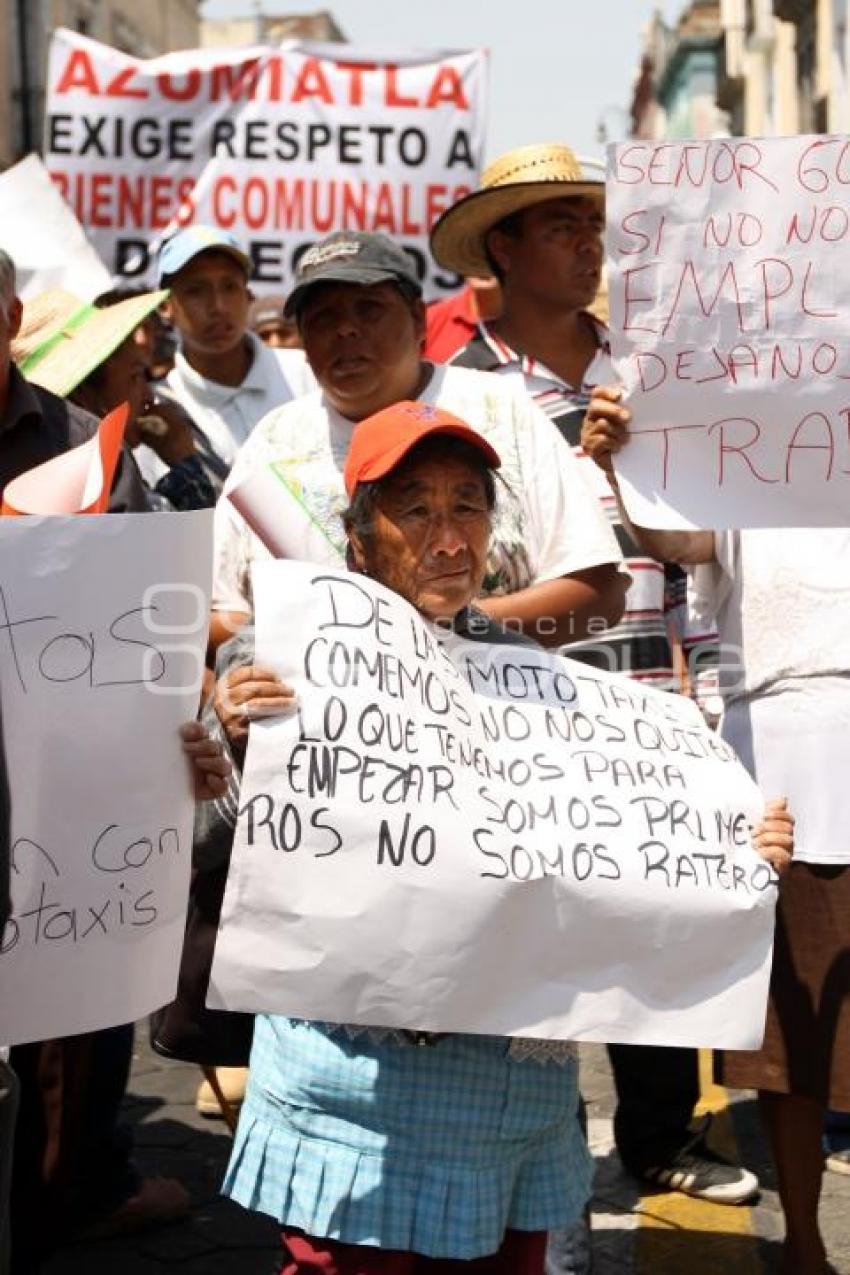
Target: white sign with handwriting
[[729, 300], [452, 835], [103, 625]]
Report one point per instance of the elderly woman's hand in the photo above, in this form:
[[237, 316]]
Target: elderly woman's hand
[[605, 426], [245, 694], [210, 767], [773, 836]]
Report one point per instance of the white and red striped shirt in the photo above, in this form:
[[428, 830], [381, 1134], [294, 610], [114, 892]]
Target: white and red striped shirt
[[641, 644]]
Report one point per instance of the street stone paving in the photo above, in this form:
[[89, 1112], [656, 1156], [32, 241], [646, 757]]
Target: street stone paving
[[219, 1238]]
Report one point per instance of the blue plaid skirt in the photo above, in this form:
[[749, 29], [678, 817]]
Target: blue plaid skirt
[[435, 1149]]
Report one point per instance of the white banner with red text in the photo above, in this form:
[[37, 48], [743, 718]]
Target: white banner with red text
[[281, 145]]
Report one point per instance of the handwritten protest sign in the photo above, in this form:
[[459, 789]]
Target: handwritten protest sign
[[102, 635], [280, 145], [730, 304], [451, 835]]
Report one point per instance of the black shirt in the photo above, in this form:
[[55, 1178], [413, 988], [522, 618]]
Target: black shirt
[[36, 426]]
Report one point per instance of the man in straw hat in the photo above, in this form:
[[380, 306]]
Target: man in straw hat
[[536, 224]]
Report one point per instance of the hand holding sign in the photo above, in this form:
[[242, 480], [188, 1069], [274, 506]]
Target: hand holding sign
[[248, 694], [210, 768], [605, 428], [773, 835]]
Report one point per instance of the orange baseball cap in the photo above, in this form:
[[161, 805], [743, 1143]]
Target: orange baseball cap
[[379, 442]]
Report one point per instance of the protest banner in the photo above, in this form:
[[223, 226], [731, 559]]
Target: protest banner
[[102, 635], [43, 237], [280, 145], [456, 836], [729, 311]]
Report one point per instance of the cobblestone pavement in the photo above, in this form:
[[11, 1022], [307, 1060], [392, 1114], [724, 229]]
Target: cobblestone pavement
[[218, 1238], [657, 1235], [668, 1234]]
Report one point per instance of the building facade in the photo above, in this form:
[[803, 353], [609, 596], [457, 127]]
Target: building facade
[[758, 69], [675, 91], [143, 28], [838, 36], [264, 29], [820, 62], [778, 67]]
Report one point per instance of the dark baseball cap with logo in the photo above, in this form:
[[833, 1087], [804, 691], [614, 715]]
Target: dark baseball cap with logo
[[353, 256]]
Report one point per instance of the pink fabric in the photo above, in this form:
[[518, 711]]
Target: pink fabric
[[522, 1253]]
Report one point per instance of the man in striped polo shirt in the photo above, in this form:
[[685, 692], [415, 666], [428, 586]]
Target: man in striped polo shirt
[[537, 224]]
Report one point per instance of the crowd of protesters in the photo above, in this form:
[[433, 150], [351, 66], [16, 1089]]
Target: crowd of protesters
[[359, 393]]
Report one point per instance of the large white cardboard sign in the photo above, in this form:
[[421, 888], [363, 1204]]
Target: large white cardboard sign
[[102, 634], [279, 145], [730, 302], [457, 836]]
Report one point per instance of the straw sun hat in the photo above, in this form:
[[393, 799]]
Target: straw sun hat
[[63, 339], [521, 178]]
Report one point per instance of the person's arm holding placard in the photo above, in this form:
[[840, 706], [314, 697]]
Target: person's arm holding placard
[[243, 692], [209, 763], [773, 835], [604, 432], [246, 693]]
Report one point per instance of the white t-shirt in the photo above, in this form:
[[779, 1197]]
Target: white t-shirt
[[228, 413], [547, 523], [782, 601]]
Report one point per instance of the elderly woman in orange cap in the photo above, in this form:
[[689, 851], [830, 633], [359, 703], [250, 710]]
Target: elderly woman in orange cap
[[382, 1151]]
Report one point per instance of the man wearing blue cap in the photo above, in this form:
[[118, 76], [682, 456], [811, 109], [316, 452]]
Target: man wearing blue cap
[[226, 379], [224, 376]]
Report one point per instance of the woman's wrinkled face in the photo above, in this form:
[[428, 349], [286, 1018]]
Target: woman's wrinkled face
[[429, 536]]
